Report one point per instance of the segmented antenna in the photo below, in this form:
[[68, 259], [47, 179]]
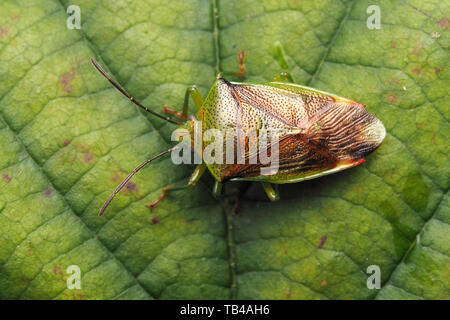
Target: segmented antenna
[[126, 94]]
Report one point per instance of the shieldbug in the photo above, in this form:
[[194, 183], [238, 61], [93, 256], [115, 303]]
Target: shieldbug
[[317, 133]]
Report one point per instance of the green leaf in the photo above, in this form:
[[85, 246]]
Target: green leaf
[[67, 138]]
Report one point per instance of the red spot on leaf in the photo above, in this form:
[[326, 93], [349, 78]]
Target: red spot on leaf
[[66, 142], [66, 80], [131, 186], [48, 193], [322, 241], [3, 33], [6, 178], [444, 23], [392, 98], [323, 283], [155, 220], [417, 70], [437, 70]]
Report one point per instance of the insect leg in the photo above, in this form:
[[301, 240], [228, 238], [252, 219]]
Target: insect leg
[[193, 92], [270, 191], [195, 177], [241, 59], [283, 76], [217, 189]]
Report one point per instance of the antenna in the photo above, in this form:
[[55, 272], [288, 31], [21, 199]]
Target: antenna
[[125, 181], [126, 94]]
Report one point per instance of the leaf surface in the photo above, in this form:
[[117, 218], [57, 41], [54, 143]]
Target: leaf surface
[[67, 138]]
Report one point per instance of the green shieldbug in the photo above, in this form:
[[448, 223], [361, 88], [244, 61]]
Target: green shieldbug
[[318, 133]]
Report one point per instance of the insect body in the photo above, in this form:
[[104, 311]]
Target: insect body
[[317, 133]]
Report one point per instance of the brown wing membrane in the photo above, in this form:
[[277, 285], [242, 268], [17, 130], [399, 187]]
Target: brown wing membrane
[[296, 153]]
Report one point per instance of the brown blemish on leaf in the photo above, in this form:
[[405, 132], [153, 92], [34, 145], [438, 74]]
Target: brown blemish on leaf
[[155, 220], [87, 155], [66, 80], [66, 142], [48, 193], [393, 44], [29, 252], [417, 70], [6, 178], [322, 241], [3, 32], [392, 98], [358, 189], [116, 176], [323, 283], [394, 81], [79, 295], [131, 186], [420, 125], [437, 70], [444, 23], [57, 270]]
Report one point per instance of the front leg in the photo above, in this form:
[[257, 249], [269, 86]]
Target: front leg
[[195, 177], [193, 92]]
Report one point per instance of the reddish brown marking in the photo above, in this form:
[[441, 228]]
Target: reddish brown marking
[[6, 178], [66, 142], [444, 23], [358, 189], [394, 80], [48, 192], [3, 32], [420, 125], [359, 161], [57, 270], [66, 80], [437, 70], [79, 295], [323, 282], [130, 187], [417, 70], [155, 220], [393, 44], [88, 156], [322, 241], [392, 98], [433, 138], [29, 252]]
